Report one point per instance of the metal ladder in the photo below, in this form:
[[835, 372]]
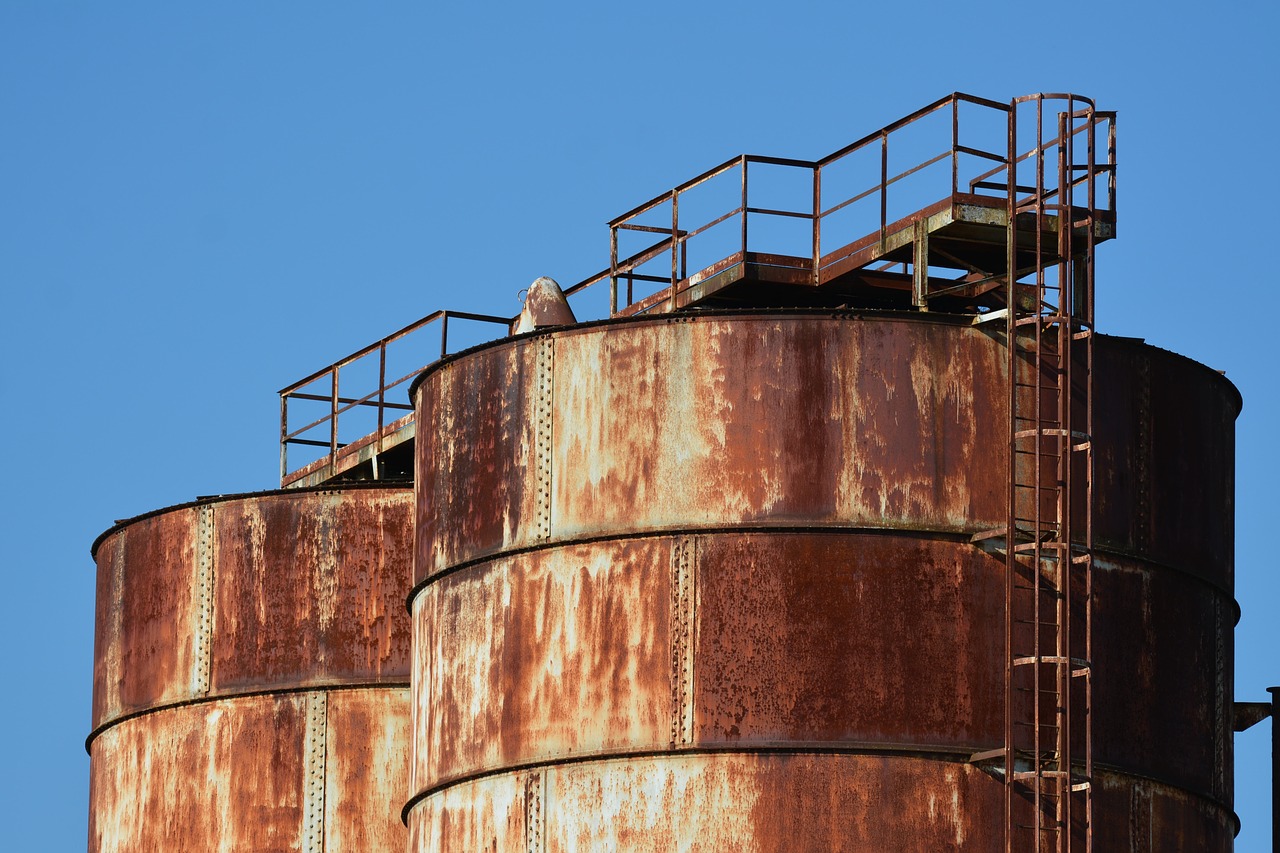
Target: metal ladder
[[1048, 749]]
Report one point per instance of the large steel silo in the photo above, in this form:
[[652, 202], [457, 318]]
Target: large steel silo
[[707, 583], [924, 563]]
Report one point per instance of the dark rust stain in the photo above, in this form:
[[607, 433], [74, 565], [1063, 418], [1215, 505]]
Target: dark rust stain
[[855, 639], [311, 590]]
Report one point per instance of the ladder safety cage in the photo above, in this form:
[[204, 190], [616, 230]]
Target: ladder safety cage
[[1054, 221]]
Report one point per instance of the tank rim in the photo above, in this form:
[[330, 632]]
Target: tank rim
[[211, 500]]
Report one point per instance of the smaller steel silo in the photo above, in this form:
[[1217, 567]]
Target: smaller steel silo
[[251, 674]]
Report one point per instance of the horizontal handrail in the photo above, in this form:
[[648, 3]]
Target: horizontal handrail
[[374, 399]]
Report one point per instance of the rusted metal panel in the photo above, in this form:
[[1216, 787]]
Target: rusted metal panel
[[1162, 675], [1165, 458], [772, 420], [717, 428], [147, 615], [472, 455], [777, 420], [366, 770], [790, 640], [660, 424], [486, 815], [250, 593], [556, 653], [854, 639], [311, 589], [780, 802], [255, 773], [1141, 816], [221, 775]]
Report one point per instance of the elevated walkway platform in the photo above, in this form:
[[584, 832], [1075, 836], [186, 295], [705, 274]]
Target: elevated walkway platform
[[950, 208]]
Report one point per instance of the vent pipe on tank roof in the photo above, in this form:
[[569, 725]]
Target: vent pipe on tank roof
[[544, 305]]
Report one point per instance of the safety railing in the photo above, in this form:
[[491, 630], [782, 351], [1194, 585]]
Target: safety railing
[[810, 218], [837, 209], [351, 395]]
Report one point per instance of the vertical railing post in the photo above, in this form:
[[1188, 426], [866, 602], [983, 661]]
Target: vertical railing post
[[1275, 769], [817, 224], [675, 246], [333, 421], [382, 390], [284, 437], [1111, 160], [613, 270], [744, 208], [955, 144], [444, 333], [884, 186]]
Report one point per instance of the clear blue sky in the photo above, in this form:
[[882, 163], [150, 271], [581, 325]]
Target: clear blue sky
[[199, 205]]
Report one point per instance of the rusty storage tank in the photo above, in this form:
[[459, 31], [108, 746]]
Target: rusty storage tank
[[723, 579], [251, 674]]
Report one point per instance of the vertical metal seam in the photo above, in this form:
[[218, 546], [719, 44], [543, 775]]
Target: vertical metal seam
[[534, 818], [542, 437], [1143, 509], [317, 704], [443, 423], [683, 620], [1222, 728], [113, 704], [201, 664]]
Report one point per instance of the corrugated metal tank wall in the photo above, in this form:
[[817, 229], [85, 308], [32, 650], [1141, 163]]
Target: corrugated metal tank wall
[[704, 582], [251, 675]]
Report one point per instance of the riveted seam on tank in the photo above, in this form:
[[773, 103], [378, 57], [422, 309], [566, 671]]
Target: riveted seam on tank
[[534, 812], [316, 759], [1221, 726], [205, 591], [1139, 807], [683, 566], [544, 414], [1142, 506], [115, 632]]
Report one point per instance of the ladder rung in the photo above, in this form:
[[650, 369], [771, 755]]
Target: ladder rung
[[987, 755], [1033, 659], [1055, 432], [1038, 774], [1044, 546]]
